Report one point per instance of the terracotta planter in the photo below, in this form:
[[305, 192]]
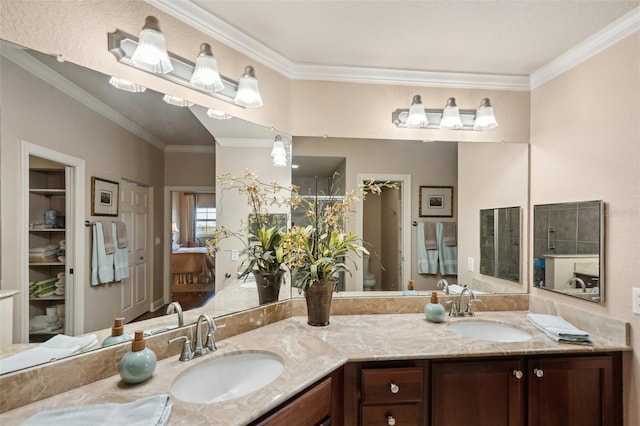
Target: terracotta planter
[[268, 286], [318, 297]]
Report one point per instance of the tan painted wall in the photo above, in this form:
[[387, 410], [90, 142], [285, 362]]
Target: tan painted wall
[[585, 145], [37, 113], [200, 169], [490, 176]]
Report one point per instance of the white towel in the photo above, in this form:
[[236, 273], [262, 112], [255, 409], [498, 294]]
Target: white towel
[[101, 262], [59, 346], [559, 329], [152, 411], [120, 257], [121, 235], [427, 259]]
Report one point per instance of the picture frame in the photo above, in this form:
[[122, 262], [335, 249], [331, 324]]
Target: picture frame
[[436, 201], [104, 197]]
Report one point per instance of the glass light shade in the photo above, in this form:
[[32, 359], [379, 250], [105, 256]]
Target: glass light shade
[[485, 120], [205, 75], [248, 94], [279, 152], [417, 116], [126, 85], [451, 116], [218, 115], [151, 52], [174, 100]]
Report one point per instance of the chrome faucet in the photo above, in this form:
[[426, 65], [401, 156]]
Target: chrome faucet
[[175, 307], [210, 343], [444, 284], [186, 353], [578, 281], [458, 309]]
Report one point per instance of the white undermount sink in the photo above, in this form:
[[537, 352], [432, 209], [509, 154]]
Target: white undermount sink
[[489, 330], [226, 377]]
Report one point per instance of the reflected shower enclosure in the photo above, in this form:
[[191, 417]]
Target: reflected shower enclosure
[[500, 243]]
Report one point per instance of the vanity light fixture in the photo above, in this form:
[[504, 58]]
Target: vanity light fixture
[[485, 120], [218, 115], [417, 116], [451, 116], [205, 75], [176, 101], [448, 118], [151, 53], [279, 152], [124, 46], [248, 94], [126, 85]]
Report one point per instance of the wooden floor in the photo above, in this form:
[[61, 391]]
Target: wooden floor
[[190, 296]]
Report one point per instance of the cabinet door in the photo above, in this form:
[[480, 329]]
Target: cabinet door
[[311, 408], [573, 391], [479, 393]]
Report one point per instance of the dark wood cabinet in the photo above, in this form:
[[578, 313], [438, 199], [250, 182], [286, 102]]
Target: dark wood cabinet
[[319, 405], [549, 391], [581, 391], [482, 393]]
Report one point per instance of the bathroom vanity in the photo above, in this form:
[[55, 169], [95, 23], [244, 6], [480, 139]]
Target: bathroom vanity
[[357, 357]]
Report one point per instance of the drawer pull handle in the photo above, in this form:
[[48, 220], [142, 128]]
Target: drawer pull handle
[[394, 389], [538, 372], [391, 420], [518, 374]]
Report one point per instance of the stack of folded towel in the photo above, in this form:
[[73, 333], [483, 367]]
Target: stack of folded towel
[[59, 346], [60, 284], [44, 254], [153, 410], [44, 324], [43, 288], [559, 329]]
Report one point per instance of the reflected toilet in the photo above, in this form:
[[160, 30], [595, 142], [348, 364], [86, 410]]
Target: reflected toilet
[[369, 280]]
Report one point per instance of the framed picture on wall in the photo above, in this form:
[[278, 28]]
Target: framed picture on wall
[[436, 201], [104, 197]]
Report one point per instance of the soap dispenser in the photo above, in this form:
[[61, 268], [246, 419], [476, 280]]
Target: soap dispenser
[[434, 311], [117, 333], [138, 365], [410, 291]]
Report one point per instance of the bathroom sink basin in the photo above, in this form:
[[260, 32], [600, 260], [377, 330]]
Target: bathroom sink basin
[[490, 331], [227, 377]]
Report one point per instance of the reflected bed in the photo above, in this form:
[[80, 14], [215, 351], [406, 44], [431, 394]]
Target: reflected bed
[[192, 265]]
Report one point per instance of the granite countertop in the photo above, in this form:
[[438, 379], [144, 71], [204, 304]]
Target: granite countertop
[[310, 353]]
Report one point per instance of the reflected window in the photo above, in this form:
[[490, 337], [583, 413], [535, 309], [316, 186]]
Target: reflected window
[[205, 222]]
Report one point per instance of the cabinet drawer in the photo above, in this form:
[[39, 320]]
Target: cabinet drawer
[[311, 408], [392, 385], [399, 415]]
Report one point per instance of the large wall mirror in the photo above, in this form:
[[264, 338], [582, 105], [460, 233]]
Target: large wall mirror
[[183, 177], [500, 243], [568, 249]]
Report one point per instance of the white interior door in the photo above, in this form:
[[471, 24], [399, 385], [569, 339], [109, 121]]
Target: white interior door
[[134, 212]]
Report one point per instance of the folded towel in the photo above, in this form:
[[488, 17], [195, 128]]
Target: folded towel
[[101, 263], [559, 329], [427, 259], [59, 346], [152, 410], [120, 258], [430, 236], [109, 247], [447, 255], [121, 231], [40, 322], [450, 233]]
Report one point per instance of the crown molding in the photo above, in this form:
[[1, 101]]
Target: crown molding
[[49, 76], [609, 35], [245, 142], [191, 149], [204, 21]]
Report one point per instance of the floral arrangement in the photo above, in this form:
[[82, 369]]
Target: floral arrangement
[[320, 250]]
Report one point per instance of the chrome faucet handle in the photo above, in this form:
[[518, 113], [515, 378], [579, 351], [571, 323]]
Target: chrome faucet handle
[[211, 339], [186, 353], [453, 312], [469, 310]]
